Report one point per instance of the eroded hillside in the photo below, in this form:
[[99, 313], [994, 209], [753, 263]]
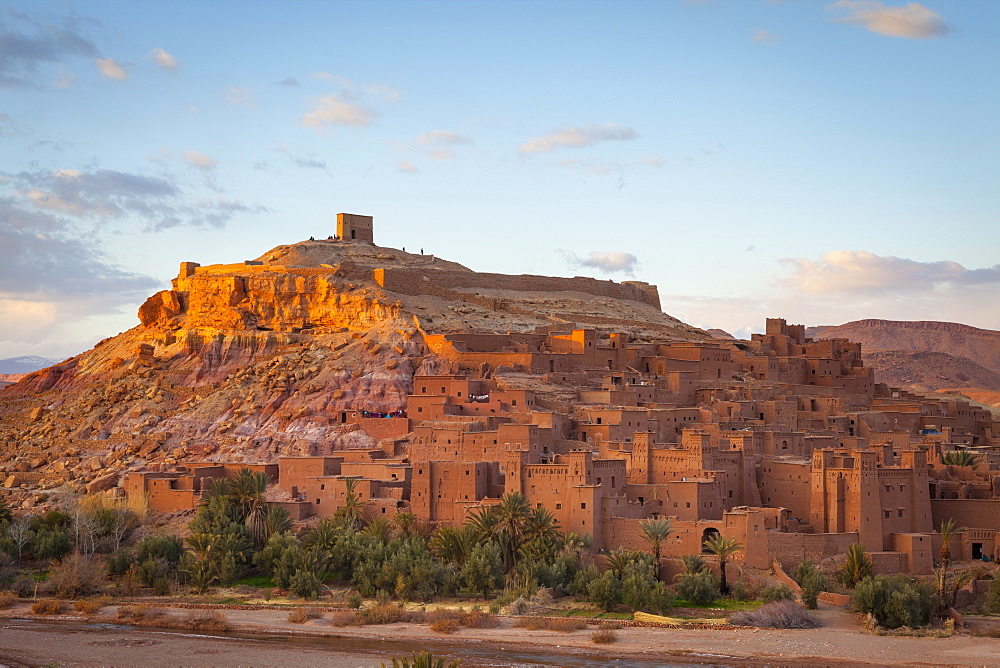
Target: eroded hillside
[[249, 361]]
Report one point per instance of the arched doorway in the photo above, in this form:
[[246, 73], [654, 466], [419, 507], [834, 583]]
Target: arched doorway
[[705, 535]]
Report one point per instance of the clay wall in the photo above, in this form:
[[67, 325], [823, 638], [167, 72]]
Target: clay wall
[[786, 483], [972, 513], [296, 471], [790, 549], [411, 282]]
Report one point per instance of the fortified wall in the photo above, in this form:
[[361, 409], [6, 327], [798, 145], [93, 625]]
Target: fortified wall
[[419, 282]]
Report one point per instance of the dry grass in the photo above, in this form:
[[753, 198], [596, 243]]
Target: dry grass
[[345, 618], [48, 606], [604, 636], [445, 626], [203, 620], [91, 606], [142, 614], [609, 626], [8, 599], [563, 625], [476, 619], [532, 623], [303, 615], [384, 614], [777, 615]]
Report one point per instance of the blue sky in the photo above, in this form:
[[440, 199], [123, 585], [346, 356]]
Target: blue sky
[[821, 161]]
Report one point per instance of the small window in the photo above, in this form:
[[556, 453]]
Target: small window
[[886, 514], [558, 506], [583, 506], [687, 505]]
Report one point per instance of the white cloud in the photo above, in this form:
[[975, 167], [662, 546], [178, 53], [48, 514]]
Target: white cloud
[[407, 167], [855, 271], [110, 69], [914, 21], [607, 262], [437, 144], [764, 37], [337, 110], [162, 59], [200, 160], [335, 79], [577, 137], [442, 138], [239, 96], [386, 93]]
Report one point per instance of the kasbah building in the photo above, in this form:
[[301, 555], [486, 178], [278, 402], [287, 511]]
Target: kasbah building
[[784, 443]]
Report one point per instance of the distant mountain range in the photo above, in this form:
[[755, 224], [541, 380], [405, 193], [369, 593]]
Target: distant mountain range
[[924, 355], [24, 364]]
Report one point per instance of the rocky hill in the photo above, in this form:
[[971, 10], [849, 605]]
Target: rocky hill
[[924, 355], [252, 360]]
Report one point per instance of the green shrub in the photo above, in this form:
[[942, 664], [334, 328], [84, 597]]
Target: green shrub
[[119, 561], [167, 547], [813, 583], [699, 588], [894, 602], [744, 590], [778, 592], [604, 591]]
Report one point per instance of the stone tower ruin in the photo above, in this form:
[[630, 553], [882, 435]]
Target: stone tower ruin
[[352, 227]]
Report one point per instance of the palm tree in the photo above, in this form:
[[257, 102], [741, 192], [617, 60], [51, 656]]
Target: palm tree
[[353, 507], [857, 566], [693, 563], [379, 529], [656, 531], [961, 458], [948, 530], [406, 522], [620, 559], [511, 520], [541, 533], [722, 548], [247, 491], [453, 544]]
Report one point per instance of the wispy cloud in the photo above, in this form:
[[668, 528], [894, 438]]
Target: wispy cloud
[[241, 97], [406, 167], [111, 70], [913, 21], [577, 137], [162, 59], [26, 46], [437, 144], [607, 262], [764, 37], [856, 271], [305, 161], [333, 110], [200, 160], [100, 196], [288, 82]]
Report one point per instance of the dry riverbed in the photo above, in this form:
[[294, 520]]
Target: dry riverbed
[[74, 640]]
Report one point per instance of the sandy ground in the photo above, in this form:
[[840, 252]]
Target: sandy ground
[[839, 642]]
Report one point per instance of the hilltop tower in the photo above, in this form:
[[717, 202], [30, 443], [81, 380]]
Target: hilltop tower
[[352, 227]]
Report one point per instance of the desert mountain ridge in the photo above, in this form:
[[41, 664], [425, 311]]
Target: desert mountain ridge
[[923, 355]]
